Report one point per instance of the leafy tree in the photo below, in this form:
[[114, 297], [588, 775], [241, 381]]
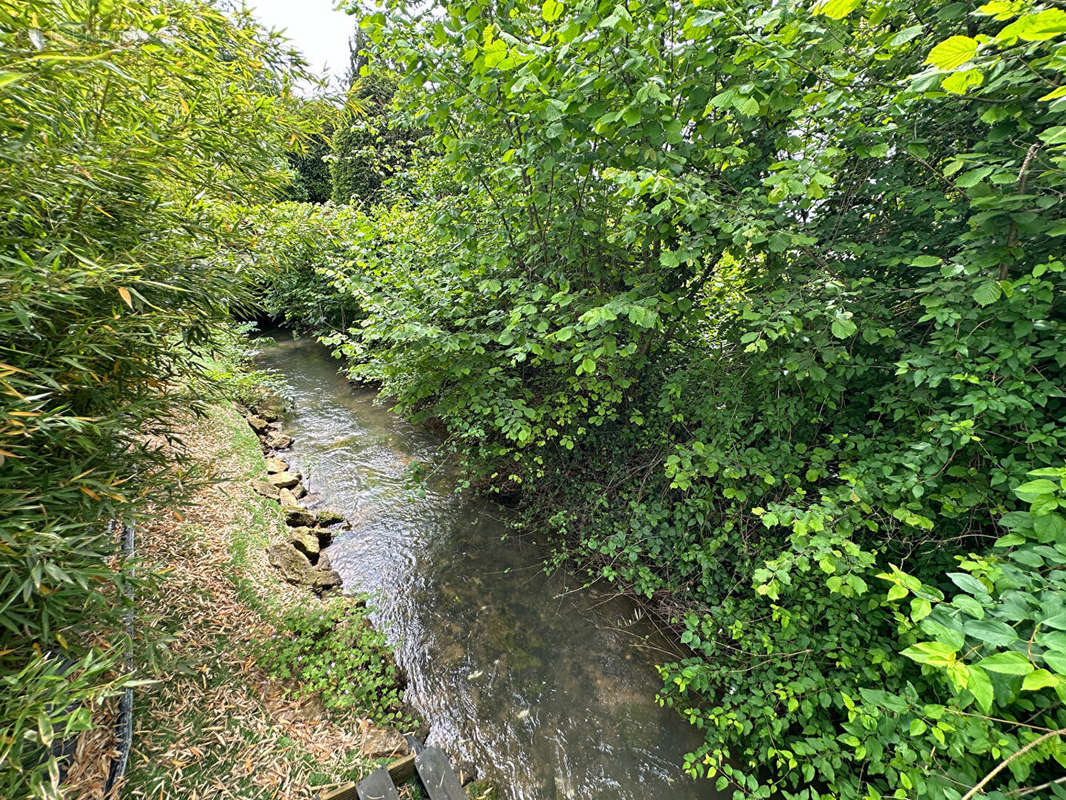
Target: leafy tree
[[312, 182], [369, 145]]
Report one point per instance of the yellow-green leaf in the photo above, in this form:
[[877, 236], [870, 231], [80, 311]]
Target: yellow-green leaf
[[836, 9], [981, 687], [1039, 679], [952, 52], [1037, 27], [1054, 94], [962, 82], [551, 10]]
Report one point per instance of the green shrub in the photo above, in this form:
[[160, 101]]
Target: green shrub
[[333, 651]]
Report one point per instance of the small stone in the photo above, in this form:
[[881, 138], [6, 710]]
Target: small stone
[[306, 541], [258, 423], [276, 465], [271, 407], [287, 498], [383, 743], [268, 414], [284, 480], [325, 518], [299, 491], [292, 564], [323, 581], [267, 490], [296, 517], [277, 441], [324, 563]]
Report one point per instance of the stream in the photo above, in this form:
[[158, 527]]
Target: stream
[[546, 687]]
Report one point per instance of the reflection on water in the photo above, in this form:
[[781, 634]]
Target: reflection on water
[[548, 690]]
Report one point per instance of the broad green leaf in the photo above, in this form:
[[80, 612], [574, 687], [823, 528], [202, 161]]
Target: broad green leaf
[[987, 293], [968, 583], [1039, 679], [935, 654], [1057, 621], [1007, 664], [1056, 659], [1031, 490], [991, 631], [973, 177], [896, 592], [969, 605], [926, 261], [906, 35], [843, 327], [920, 608], [962, 82], [952, 53], [1054, 135], [1038, 27], [981, 687]]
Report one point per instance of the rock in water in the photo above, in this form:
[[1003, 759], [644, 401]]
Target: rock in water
[[277, 441], [296, 517], [325, 518], [324, 563], [287, 498], [299, 491], [306, 541], [258, 423], [270, 407], [291, 564], [325, 582], [276, 465], [284, 480]]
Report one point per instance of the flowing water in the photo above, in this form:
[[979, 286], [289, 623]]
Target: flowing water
[[546, 687]]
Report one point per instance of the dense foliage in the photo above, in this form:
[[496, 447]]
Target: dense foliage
[[335, 653], [120, 123], [761, 304], [312, 182], [370, 144]]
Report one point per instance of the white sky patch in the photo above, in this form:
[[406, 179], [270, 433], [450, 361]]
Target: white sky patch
[[316, 29]]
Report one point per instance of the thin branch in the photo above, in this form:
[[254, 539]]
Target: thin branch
[[1005, 762]]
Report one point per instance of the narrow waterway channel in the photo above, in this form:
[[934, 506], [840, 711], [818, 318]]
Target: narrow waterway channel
[[546, 687]]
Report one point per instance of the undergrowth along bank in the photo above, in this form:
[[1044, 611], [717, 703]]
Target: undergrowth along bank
[[766, 327]]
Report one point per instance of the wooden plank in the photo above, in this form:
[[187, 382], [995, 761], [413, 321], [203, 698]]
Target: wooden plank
[[437, 775], [402, 769], [346, 791], [377, 786]]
